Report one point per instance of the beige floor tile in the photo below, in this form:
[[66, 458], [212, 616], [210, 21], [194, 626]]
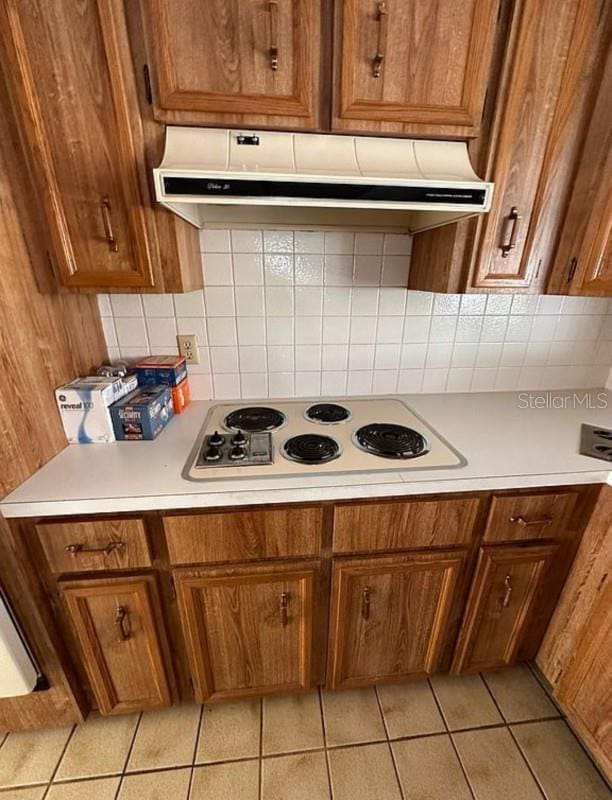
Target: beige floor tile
[[229, 731], [100, 789], [165, 738], [98, 747], [429, 769], [559, 763], [237, 779], [494, 766], [410, 709], [363, 772], [352, 716], [170, 785], [30, 757], [465, 701], [296, 777], [31, 793], [519, 695], [291, 723]]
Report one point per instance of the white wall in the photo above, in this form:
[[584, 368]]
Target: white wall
[[310, 313]]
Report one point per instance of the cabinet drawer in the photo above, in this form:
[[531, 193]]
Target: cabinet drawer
[[538, 516], [97, 545], [243, 535], [400, 526]]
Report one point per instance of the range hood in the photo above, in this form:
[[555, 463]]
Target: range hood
[[214, 177]]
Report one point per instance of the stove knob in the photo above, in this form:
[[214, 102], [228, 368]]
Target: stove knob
[[237, 453], [239, 439], [212, 454], [216, 440]]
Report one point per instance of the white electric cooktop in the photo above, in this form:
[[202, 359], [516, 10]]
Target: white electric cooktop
[[301, 437]]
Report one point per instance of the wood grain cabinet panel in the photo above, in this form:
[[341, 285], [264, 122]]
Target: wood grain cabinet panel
[[523, 517], [94, 545], [248, 630], [243, 535], [78, 115], [403, 525], [390, 616], [412, 66], [118, 628], [239, 62], [503, 597]]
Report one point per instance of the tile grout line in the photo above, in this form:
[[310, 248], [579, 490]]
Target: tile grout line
[[327, 765], [391, 753], [128, 756], [59, 761], [516, 744], [466, 778], [195, 750]]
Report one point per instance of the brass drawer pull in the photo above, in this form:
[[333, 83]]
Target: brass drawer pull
[[122, 621], [273, 10], [80, 549], [382, 17], [365, 602], [528, 523], [514, 218], [508, 593], [284, 608], [108, 224]]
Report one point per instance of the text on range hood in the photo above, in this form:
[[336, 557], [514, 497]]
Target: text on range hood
[[213, 177]]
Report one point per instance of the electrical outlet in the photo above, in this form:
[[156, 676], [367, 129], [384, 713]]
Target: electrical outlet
[[188, 347]]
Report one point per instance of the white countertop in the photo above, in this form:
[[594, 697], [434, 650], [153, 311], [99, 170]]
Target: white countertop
[[506, 446]]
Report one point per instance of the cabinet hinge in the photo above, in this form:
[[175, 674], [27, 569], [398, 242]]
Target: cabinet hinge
[[572, 269], [173, 588], [538, 268], [602, 581], [147, 84]]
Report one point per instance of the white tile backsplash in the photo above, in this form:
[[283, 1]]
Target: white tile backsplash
[[305, 312]]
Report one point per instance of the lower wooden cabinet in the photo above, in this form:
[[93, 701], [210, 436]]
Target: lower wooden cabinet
[[390, 616], [248, 630], [504, 590], [119, 631]]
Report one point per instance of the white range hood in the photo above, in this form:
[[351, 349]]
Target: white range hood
[[215, 177]]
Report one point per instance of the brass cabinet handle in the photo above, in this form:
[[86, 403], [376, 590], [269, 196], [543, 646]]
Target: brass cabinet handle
[[508, 593], [80, 549], [382, 17], [122, 621], [108, 223], [284, 608], [514, 218], [273, 10], [365, 602], [528, 523]]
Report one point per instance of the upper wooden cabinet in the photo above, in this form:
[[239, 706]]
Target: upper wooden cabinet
[[390, 616], [412, 66], [583, 264], [252, 62], [77, 108]]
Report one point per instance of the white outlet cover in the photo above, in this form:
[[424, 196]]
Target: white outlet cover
[[188, 347]]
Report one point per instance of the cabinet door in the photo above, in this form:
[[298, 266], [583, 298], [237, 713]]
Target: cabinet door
[[523, 155], [239, 62], [412, 66], [75, 107], [390, 616], [118, 628], [504, 591], [248, 630]]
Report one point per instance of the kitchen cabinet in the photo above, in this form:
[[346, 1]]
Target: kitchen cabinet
[[583, 263], [248, 630], [411, 66], [77, 111], [502, 601], [254, 62], [390, 616], [119, 632]]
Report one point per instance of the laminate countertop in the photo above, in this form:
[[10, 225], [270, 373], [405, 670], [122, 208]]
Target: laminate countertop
[[510, 440]]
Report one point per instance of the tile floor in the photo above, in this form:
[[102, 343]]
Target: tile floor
[[490, 737]]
